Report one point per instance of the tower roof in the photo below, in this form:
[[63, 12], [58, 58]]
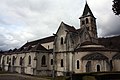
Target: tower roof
[[87, 11]]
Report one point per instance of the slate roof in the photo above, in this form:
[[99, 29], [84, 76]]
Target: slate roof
[[94, 56], [88, 43], [110, 42], [34, 45], [82, 49], [92, 48], [41, 41], [38, 47], [87, 11], [116, 56]]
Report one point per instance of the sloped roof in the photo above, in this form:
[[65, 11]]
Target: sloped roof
[[38, 47], [43, 40], [88, 43], [87, 11], [94, 56], [36, 44], [110, 42], [94, 49], [116, 56], [70, 28]]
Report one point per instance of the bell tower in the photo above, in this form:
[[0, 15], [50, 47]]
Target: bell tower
[[89, 21]]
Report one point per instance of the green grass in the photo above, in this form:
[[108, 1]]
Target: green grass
[[4, 75]]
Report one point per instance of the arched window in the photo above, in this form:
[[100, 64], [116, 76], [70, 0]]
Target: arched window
[[13, 60], [61, 40], [43, 60], [51, 61], [48, 46], [91, 20], [83, 22], [87, 20], [78, 64], [29, 60], [21, 60], [61, 62], [98, 68]]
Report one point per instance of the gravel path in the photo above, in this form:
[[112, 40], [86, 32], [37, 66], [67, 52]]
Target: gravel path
[[19, 77]]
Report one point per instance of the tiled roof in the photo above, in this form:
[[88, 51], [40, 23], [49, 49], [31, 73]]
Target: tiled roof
[[43, 40], [94, 56], [110, 42], [116, 56], [87, 11], [88, 43], [35, 45], [38, 47], [94, 49]]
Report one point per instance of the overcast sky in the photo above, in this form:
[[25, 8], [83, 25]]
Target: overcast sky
[[28, 20]]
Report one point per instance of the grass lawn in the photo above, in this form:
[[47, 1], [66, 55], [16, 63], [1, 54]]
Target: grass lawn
[[16, 76]]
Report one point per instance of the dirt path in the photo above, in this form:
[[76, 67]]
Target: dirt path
[[19, 77]]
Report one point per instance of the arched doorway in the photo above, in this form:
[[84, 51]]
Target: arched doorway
[[98, 68], [88, 66]]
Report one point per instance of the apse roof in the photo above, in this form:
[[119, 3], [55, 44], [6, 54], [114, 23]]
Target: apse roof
[[94, 56]]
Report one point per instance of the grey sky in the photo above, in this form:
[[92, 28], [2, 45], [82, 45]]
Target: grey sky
[[28, 20]]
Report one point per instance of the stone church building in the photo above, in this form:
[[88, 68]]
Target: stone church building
[[68, 51]]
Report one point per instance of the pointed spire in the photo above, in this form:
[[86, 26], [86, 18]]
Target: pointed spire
[[87, 11]]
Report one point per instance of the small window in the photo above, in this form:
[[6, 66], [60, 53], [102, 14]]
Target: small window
[[21, 61], [48, 46], [91, 20], [13, 60], [78, 64], [87, 20], [87, 28], [61, 62], [43, 60], [51, 61], [61, 40], [29, 60], [83, 22]]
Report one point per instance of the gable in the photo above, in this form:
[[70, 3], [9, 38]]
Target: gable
[[63, 28], [84, 35]]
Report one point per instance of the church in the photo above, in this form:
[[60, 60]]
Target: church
[[69, 50]]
